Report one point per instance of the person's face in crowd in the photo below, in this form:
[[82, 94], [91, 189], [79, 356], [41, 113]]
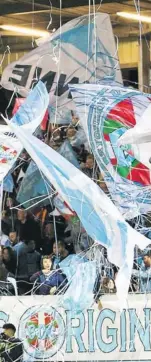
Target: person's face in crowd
[[13, 237], [21, 215], [103, 184], [24, 155], [89, 163], [71, 133], [59, 249], [9, 332], [75, 120], [147, 260], [56, 134], [49, 231], [3, 214], [31, 245], [6, 255], [47, 263], [9, 202]]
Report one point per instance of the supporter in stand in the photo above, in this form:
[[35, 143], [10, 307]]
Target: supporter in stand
[[60, 253], [4, 233], [102, 184], [144, 274], [66, 260], [27, 228], [90, 169], [9, 260], [3, 276], [56, 136], [13, 240], [11, 348], [48, 281], [28, 263], [22, 272], [10, 214], [48, 239], [33, 259]]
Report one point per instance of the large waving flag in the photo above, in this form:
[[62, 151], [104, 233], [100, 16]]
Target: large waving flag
[[99, 216], [84, 49], [106, 112], [28, 117]]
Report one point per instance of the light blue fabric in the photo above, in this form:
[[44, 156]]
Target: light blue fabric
[[79, 296], [18, 247], [8, 243], [33, 185], [78, 37], [28, 111], [8, 183], [70, 263], [66, 151], [61, 116]]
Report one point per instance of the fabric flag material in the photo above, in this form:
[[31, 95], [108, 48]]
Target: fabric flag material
[[8, 183], [62, 116], [106, 112], [28, 116], [18, 102], [62, 207], [67, 152], [99, 216], [33, 186], [80, 293], [70, 264], [141, 132], [33, 110], [85, 50]]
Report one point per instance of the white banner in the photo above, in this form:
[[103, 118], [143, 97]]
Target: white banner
[[51, 333], [81, 50]]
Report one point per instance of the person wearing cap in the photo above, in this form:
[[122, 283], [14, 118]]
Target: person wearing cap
[[11, 348], [144, 273]]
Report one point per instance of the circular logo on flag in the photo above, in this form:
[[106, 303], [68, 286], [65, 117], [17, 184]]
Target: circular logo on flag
[[42, 331], [7, 154], [119, 119]]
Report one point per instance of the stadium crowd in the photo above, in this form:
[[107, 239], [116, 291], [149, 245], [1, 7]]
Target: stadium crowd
[[34, 243]]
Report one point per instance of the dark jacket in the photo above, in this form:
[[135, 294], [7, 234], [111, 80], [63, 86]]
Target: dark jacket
[[22, 271], [11, 264], [28, 263], [11, 349], [30, 230], [44, 283], [33, 262]]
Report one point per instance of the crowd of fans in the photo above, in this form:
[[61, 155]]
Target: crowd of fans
[[34, 243]]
